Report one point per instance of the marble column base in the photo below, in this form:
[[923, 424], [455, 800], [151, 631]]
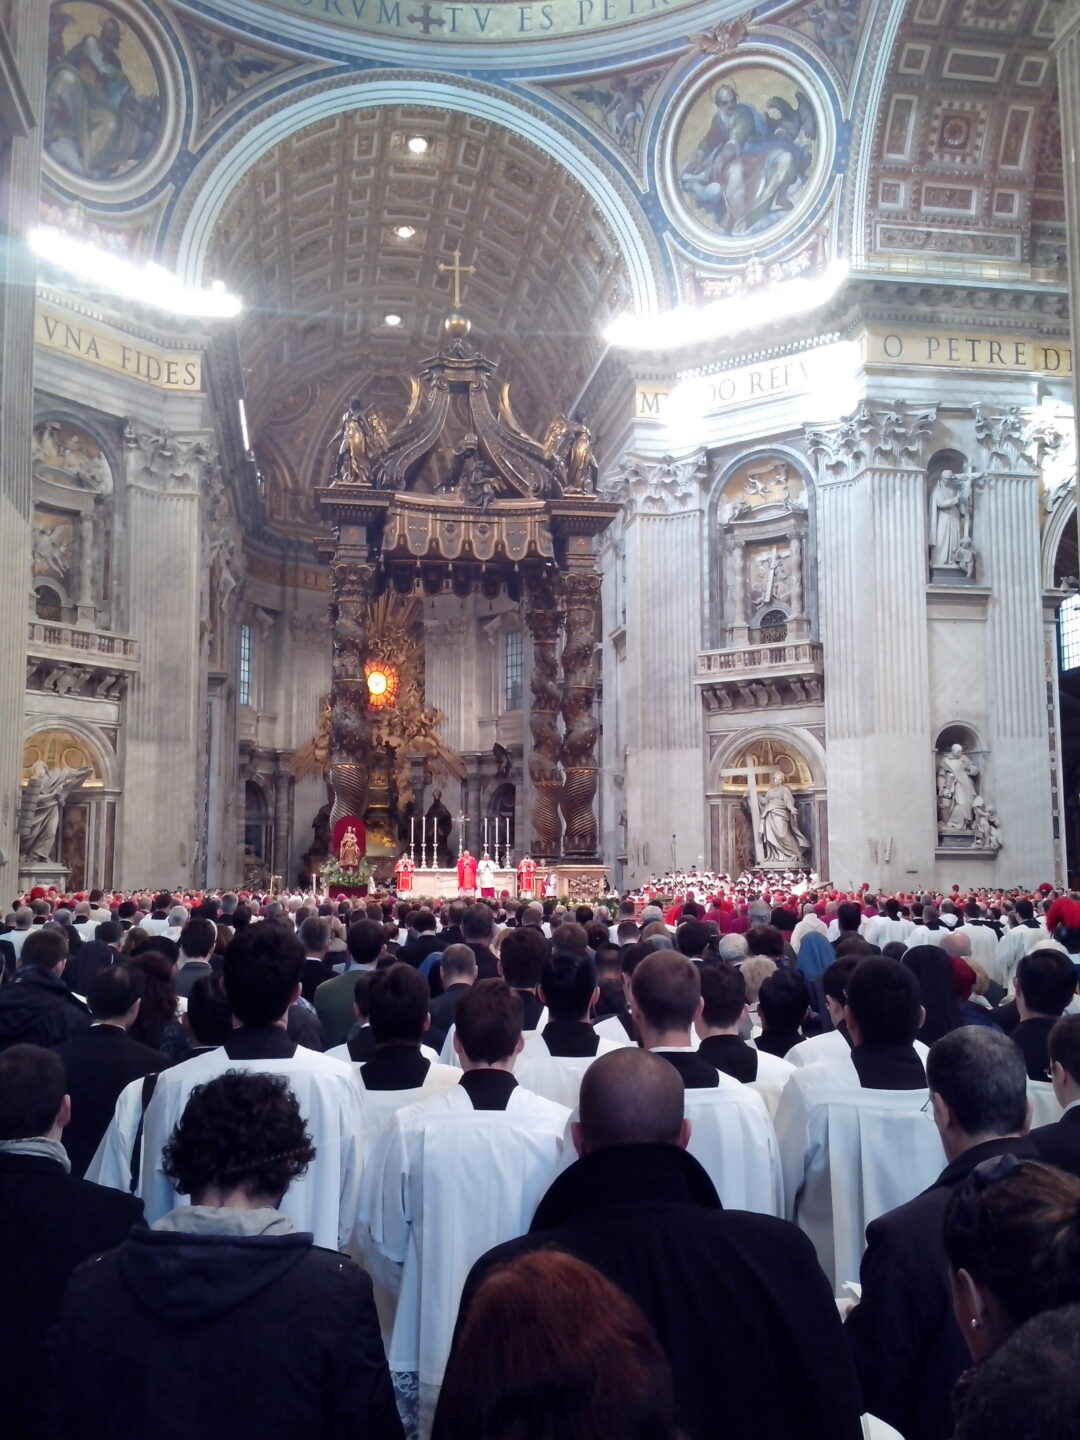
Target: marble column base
[[43, 873]]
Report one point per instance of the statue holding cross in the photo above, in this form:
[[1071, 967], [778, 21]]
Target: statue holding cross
[[774, 822]]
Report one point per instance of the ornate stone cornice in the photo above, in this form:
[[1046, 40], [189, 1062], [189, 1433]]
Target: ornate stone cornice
[[661, 487]]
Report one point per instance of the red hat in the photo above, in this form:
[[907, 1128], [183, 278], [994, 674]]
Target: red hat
[[37, 893], [1045, 888]]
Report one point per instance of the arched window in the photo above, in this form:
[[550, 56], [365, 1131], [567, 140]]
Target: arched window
[[773, 627], [1069, 633], [48, 605]]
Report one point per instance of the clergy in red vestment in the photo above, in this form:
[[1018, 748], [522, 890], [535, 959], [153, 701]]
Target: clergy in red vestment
[[403, 870], [527, 876], [466, 874]]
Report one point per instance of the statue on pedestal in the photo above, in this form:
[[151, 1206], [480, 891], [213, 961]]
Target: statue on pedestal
[[956, 774], [349, 850], [43, 799], [781, 839], [949, 523]]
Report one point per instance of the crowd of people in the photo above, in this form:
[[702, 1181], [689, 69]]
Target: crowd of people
[[762, 1157]]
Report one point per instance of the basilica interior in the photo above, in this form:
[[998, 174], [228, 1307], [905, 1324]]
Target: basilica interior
[[543, 423]]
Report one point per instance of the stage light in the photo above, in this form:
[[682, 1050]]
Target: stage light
[[148, 283], [720, 319]]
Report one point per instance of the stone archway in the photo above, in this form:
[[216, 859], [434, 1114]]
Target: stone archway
[[733, 812]]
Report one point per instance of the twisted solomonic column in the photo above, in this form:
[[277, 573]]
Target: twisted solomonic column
[[544, 619], [581, 591]]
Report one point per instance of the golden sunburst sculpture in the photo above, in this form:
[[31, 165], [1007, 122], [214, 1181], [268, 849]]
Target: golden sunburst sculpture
[[400, 721]]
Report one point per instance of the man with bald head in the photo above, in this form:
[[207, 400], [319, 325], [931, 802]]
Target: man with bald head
[[729, 1294]]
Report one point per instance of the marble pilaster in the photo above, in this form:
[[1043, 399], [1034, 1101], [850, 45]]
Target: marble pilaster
[[22, 80], [162, 812]]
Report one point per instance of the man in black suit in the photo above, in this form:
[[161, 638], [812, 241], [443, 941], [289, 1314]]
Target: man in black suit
[[100, 1063], [1045, 983], [198, 941], [522, 956], [1059, 1144], [94, 955], [729, 1294], [50, 1222], [315, 936], [453, 914], [37, 1008], [908, 1350], [478, 928], [458, 965], [415, 952], [665, 1000]]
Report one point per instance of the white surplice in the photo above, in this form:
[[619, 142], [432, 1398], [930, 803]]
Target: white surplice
[[557, 1077], [443, 1184], [831, 1045], [449, 1056], [329, 1094], [772, 1075], [850, 1154], [732, 1136]]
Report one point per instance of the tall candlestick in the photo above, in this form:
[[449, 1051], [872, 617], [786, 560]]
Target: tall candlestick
[[486, 833], [412, 837], [423, 842]]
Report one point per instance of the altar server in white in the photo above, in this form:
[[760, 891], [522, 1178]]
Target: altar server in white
[[449, 1178], [855, 1138], [261, 979]]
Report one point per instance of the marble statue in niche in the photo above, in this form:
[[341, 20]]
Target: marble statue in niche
[[783, 843], [956, 793], [53, 540], [43, 800], [949, 514]]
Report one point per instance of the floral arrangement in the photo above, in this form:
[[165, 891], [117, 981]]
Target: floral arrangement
[[335, 877]]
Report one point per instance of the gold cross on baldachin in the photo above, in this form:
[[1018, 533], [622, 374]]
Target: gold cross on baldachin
[[457, 270]]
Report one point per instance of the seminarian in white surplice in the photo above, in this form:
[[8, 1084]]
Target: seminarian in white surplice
[[555, 1060], [855, 1136], [731, 1134], [449, 1178], [261, 977]]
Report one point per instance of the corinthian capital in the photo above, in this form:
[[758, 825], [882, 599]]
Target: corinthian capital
[[657, 487], [167, 463]]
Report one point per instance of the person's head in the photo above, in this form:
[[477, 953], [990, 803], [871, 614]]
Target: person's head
[[732, 948], [533, 915], [488, 1024], [23, 918], [398, 1005], [362, 996], [241, 1140], [208, 1017], [1064, 1046], [834, 983], [46, 947], [366, 940], [783, 1001], [665, 998], [1012, 1237], [423, 921], [755, 970], [978, 1087], [261, 973], [596, 932], [1045, 982], [630, 1097], [627, 931], [583, 914], [458, 966], [161, 904], [198, 939], [522, 955], [314, 936], [115, 993], [884, 1006], [568, 986], [550, 1348], [1030, 1386], [478, 925], [1025, 910], [570, 936], [849, 916], [692, 938], [723, 1000], [33, 1093], [765, 940], [956, 945]]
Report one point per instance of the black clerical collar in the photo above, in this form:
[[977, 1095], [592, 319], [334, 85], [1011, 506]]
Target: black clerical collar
[[697, 1074], [888, 1067], [361, 1044], [395, 1067], [731, 1055], [265, 1042], [571, 1038], [488, 1089]]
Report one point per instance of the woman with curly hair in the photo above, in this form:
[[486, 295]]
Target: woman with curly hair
[[222, 1321], [158, 1021]]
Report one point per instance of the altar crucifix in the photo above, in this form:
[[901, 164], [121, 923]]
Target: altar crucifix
[[462, 821], [750, 774], [457, 270]]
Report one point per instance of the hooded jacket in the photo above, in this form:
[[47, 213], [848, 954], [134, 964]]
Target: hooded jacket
[[37, 1008], [186, 1332]]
